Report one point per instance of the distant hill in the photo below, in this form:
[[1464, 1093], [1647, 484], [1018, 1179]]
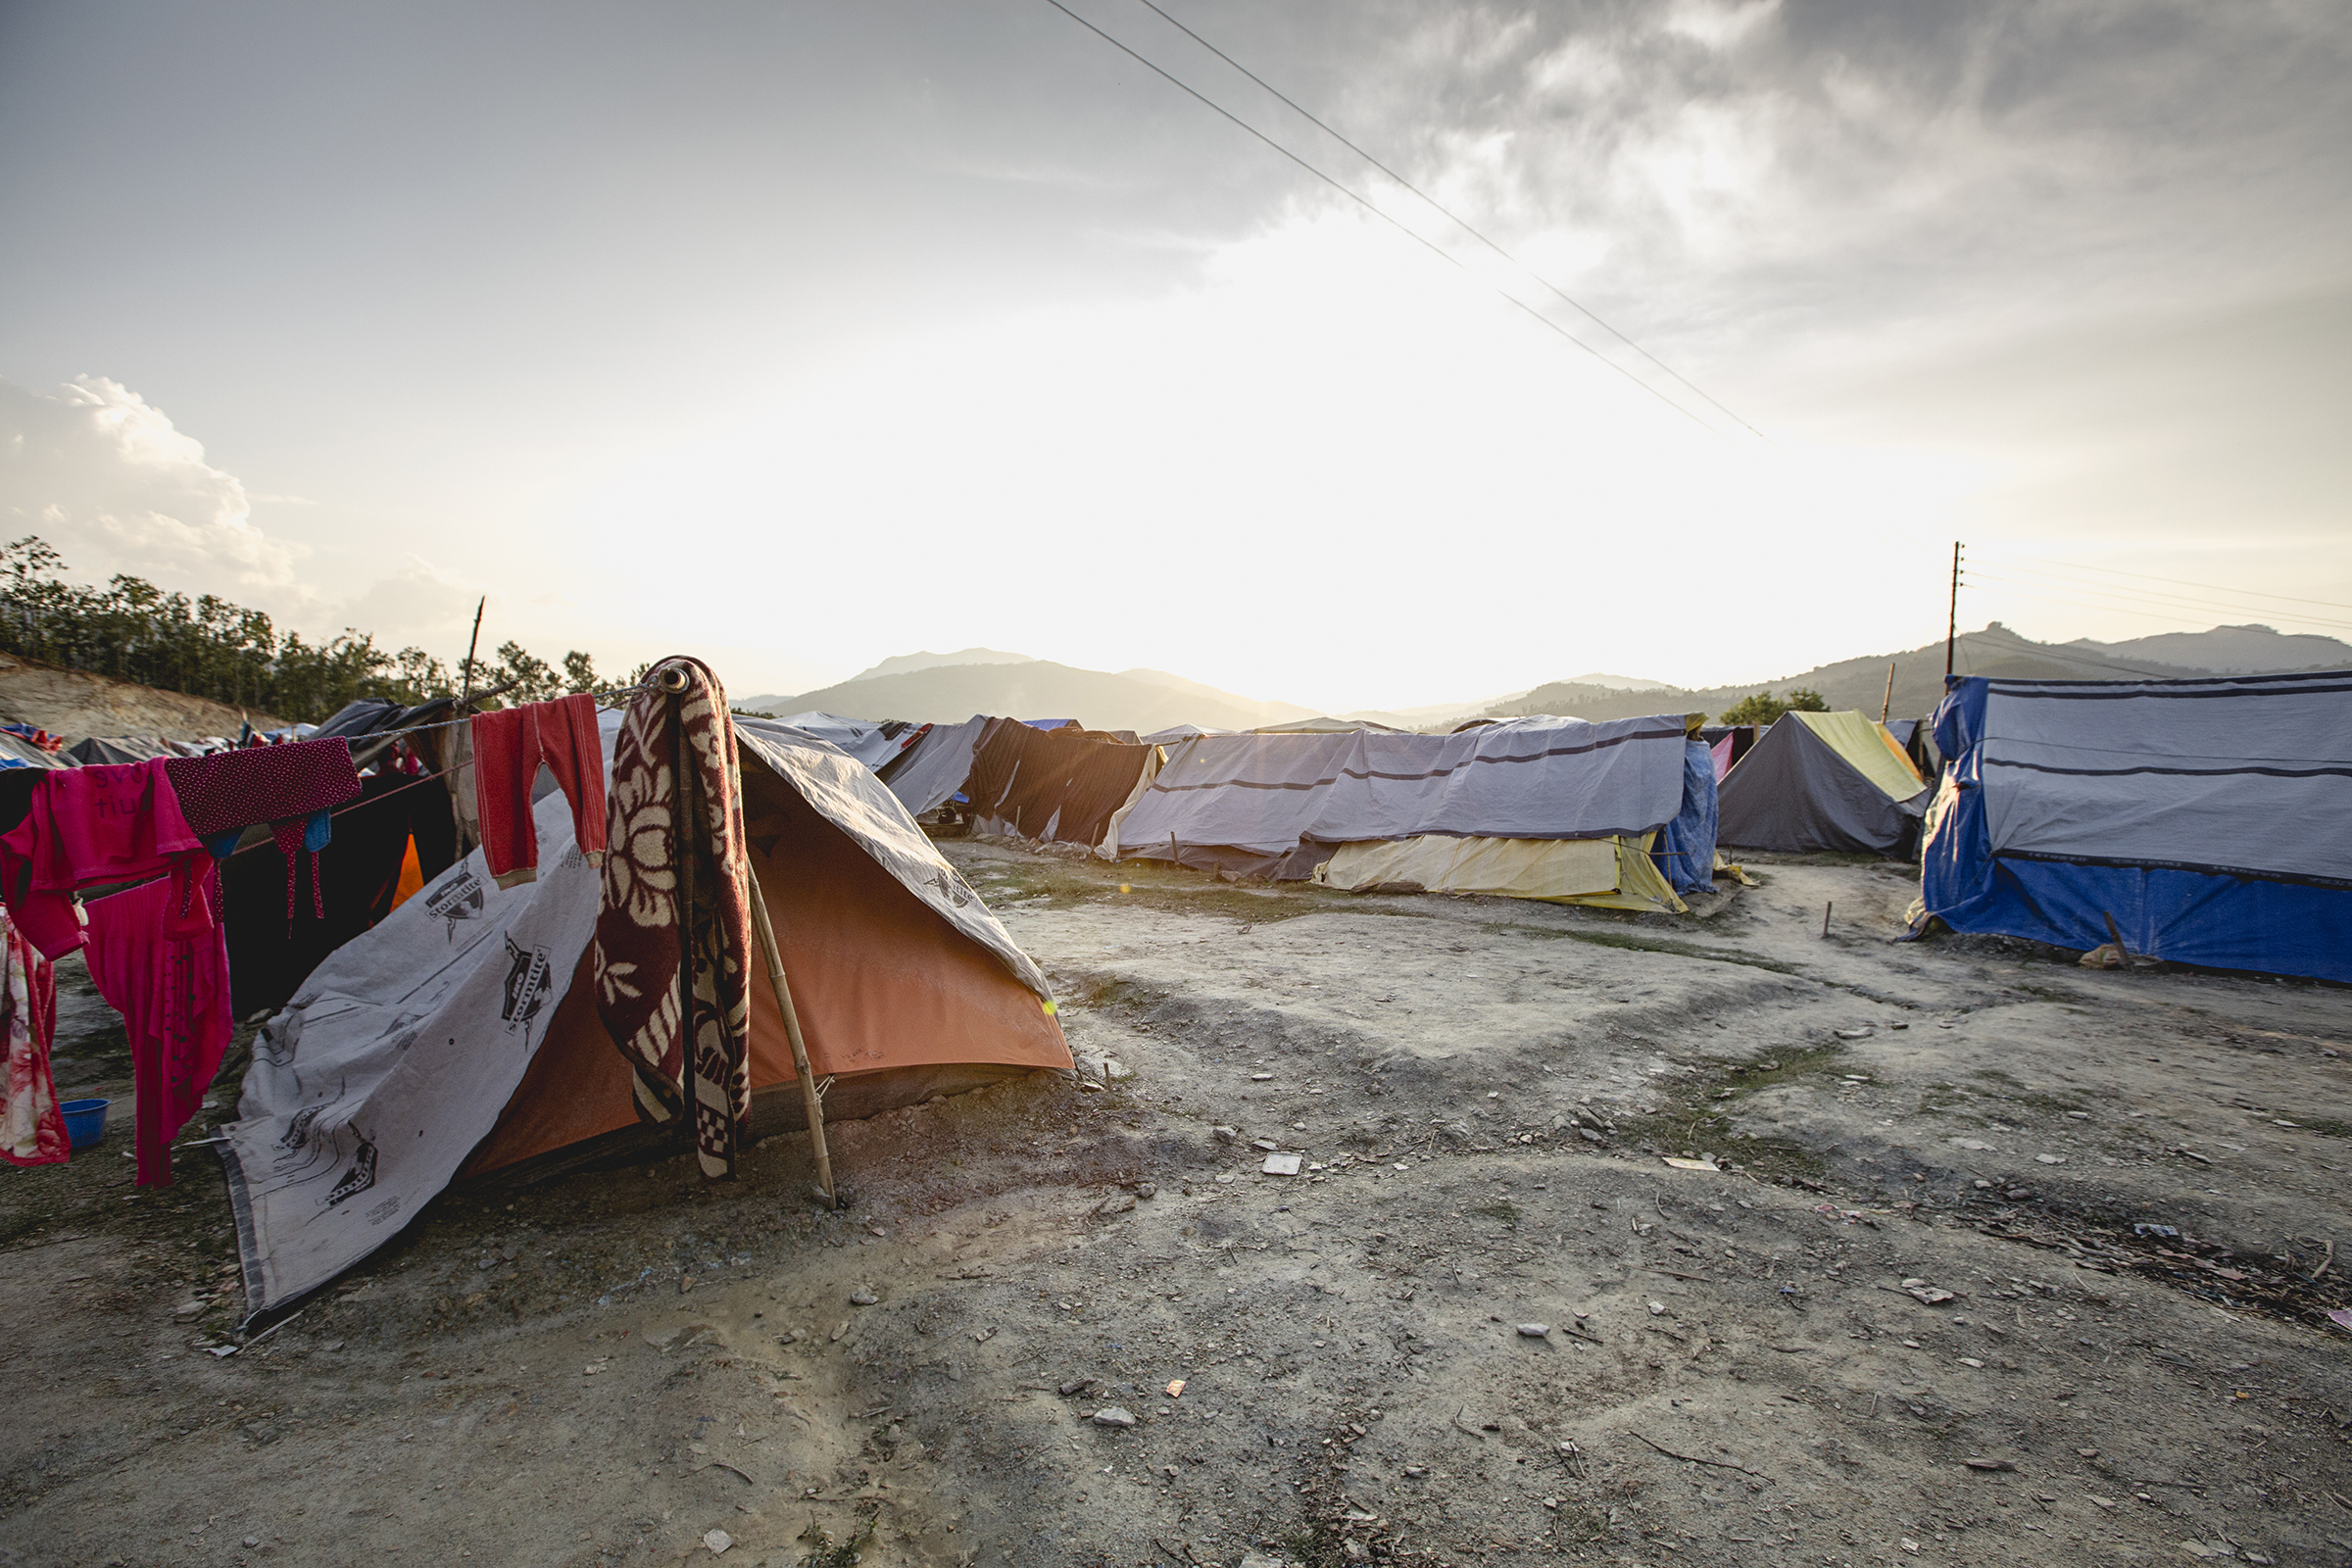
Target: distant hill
[[1861, 683], [2231, 650], [911, 663], [1035, 689]]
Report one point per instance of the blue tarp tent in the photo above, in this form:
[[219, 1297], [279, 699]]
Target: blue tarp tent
[[2210, 818]]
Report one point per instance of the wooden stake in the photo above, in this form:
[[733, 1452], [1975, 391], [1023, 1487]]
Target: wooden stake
[[472, 643], [809, 1098], [2123, 954], [1825, 918]]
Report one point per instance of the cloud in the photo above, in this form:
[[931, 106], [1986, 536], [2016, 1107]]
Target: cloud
[[107, 479]]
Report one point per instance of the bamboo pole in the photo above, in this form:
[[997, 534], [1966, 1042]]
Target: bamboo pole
[[674, 681], [800, 1051]]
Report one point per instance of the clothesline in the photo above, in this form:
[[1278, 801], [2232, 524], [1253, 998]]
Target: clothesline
[[451, 724], [420, 779]]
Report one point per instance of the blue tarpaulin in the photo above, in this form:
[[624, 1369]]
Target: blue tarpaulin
[[2211, 819]]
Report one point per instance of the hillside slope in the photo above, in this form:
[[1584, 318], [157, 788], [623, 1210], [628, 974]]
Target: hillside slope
[[1861, 683], [74, 703], [1040, 689]]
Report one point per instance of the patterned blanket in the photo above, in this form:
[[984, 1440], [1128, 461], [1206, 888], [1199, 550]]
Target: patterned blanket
[[674, 929]]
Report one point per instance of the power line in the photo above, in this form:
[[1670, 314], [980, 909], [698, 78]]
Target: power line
[[1366, 204], [2113, 610], [2120, 597], [1457, 219], [2178, 583]]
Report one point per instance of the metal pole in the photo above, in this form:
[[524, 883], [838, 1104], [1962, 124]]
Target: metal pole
[[1952, 625]]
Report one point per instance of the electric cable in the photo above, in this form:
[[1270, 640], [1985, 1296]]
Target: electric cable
[[1368, 206], [1458, 221]]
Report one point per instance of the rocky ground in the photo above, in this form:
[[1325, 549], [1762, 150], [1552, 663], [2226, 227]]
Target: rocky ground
[[2002, 1260]]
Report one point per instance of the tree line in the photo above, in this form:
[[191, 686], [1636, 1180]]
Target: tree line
[[206, 647]]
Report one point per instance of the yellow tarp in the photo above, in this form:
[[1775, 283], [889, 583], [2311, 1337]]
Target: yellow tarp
[[1613, 874], [1871, 748]]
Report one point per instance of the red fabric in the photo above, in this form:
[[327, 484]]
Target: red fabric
[[507, 748], [33, 1129], [174, 998], [281, 785], [116, 823]]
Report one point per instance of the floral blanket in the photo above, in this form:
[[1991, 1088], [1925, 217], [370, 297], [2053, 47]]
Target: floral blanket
[[673, 928]]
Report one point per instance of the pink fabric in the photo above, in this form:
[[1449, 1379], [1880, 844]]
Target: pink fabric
[[1722, 752], [116, 823], [174, 998], [507, 748], [32, 1130]]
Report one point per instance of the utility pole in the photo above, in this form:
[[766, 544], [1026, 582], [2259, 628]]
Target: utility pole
[[475, 639], [1952, 625]]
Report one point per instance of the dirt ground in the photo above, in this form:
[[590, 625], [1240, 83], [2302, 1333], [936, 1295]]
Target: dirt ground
[[2007, 1262]]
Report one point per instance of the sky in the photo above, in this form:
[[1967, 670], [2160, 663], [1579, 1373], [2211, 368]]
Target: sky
[[798, 335]]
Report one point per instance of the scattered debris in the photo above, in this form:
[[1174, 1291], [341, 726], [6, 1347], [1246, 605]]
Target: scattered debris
[[1111, 1415]]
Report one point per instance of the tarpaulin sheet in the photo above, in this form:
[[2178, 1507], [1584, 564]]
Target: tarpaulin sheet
[[872, 743], [931, 770], [1061, 785], [1613, 874], [1869, 748], [2210, 818], [2251, 775], [1547, 778]]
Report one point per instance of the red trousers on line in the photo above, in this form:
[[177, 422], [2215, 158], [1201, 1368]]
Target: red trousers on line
[[508, 746]]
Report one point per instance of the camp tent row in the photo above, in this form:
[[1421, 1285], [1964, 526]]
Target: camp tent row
[[1620, 814], [458, 1037]]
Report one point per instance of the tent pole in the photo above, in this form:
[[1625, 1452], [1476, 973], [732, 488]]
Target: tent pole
[[799, 1049], [1887, 706]]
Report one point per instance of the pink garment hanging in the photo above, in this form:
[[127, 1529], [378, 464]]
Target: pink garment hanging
[[287, 787], [32, 1130], [174, 998], [1721, 750], [507, 748], [115, 822]]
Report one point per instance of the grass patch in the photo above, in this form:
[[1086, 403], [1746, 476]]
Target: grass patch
[[1694, 1109], [1506, 1212]]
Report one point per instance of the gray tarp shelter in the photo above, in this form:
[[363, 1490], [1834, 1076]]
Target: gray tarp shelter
[[926, 775], [1274, 804], [1823, 781]]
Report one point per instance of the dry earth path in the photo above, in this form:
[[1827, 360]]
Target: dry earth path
[[2013, 1262]]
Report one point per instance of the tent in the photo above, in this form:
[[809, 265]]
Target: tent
[[460, 1034], [871, 743], [2211, 819], [1381, 809], [99, 750], [1059, 785], [1326, 726], [1824, 781], [931, 771]]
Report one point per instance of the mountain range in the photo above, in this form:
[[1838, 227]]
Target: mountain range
[[947, 688]]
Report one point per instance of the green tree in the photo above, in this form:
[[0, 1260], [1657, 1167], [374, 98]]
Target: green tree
[[1762, 708], [580, 673]]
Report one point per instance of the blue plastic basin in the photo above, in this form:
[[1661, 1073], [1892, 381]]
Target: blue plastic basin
[[85, 1121]]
